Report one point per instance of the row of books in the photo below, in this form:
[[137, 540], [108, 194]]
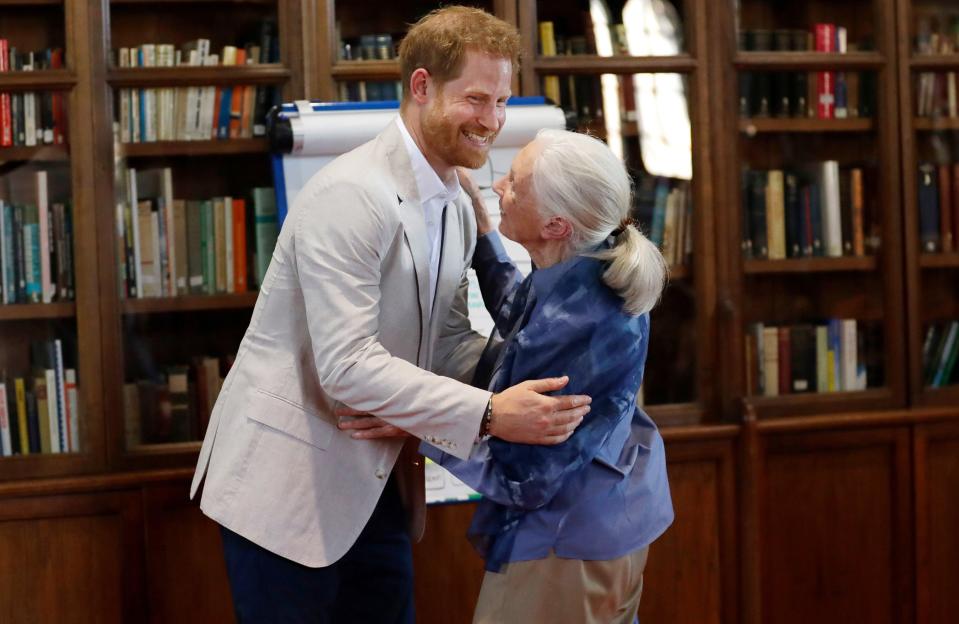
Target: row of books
[[824, 95], [261, 46], [818, 210], [937, 95], [936, 32], [837, 355], [40, 413], [169, 247], [369, 47], [30, 118], [175, 406], [665, 208], [36, 241], [940, 349], [370, 90], [556, 38], [193, 113], [938, 207]]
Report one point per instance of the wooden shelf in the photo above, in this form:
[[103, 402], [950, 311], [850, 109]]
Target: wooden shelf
[[181, 2], [31, 2], [934, 61], [366, 70], [753, 126], [939, 260], [198, 76], [820, 403], [931, 124], [32, 311], [808, 60], [36, 153], [196, 148], [592, 64], [675, 414], [190, 303], [45, 80], [947, 396], [810, 265], [190, 447]]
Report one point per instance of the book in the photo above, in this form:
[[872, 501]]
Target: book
[[770, 356], [6, 446], [73, 408], [775, 215], [928, 208], [265, 230], [831, 208]]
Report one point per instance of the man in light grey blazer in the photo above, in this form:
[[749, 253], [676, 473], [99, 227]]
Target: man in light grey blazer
[[363, 310]]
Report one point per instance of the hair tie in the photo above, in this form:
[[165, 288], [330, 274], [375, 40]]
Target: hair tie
[[625, 223]]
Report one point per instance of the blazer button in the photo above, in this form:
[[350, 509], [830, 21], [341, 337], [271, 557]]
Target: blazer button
[[380, 473]]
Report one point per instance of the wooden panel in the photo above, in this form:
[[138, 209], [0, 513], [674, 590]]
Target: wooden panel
[[186, 574], [447, 571], [70, 559], [835, 528], [682, 582], [937, 516]]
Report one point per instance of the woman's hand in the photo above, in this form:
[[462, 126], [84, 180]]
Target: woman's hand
[[483, 225]]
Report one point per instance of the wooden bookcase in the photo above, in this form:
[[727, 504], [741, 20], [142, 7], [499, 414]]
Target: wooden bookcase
[[114, 334], [867, 287], [879, 465], [932, 295]]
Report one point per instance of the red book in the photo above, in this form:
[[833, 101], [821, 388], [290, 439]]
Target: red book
[[239, 245], [826, 81], [236, 101], [955, 206], [6, 122]]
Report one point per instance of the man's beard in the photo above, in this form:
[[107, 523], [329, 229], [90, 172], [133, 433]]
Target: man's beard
[[444, 137]]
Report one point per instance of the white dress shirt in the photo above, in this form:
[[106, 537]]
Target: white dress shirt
[[434, 195]]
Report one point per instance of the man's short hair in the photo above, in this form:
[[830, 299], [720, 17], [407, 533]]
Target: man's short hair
[[438, 42]]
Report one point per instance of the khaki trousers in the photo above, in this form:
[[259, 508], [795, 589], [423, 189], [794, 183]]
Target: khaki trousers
[[557, 591]]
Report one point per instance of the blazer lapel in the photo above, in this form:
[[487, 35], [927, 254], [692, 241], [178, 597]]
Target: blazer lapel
[[451, 267], [414, 224]]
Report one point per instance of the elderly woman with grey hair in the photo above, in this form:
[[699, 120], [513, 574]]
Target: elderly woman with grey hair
[[565, 529]]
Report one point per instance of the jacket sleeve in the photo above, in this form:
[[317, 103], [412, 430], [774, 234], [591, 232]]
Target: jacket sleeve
[[338, 265], [604, 359]]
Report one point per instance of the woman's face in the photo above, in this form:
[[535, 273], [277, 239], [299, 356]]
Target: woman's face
[[520, 216]]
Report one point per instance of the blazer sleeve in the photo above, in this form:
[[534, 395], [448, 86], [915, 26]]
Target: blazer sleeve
[[604, 359], [338, 268], [458, 347]]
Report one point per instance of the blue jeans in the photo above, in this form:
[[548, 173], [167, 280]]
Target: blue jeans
[[372, 583]]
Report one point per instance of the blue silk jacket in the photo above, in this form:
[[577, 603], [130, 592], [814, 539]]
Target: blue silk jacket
[[602, 493]]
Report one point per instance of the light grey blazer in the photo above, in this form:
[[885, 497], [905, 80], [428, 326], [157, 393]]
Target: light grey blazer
[[341, 319]]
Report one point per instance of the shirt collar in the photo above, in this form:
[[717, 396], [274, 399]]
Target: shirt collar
[[428, 183], [545, 280]]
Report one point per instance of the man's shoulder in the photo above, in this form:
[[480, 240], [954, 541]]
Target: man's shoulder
[[363, 171]]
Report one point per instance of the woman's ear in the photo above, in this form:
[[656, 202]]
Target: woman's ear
[[557, 228]]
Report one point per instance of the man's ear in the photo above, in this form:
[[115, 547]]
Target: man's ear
[[557, 228], [420, 84]]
